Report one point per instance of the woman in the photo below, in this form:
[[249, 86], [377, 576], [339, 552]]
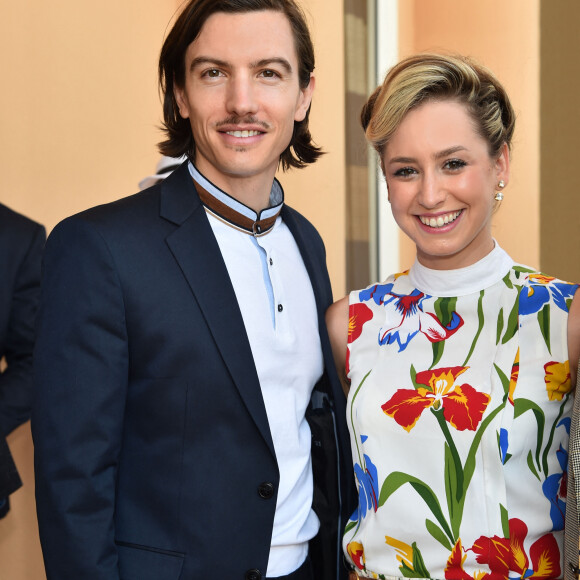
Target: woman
[[460, 386]]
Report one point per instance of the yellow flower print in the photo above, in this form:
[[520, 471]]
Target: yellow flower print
[[557, 379], [514, 377], [357, 554], [404, 552]]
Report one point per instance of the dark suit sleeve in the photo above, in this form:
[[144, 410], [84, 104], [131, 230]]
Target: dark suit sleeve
[[80, 375], [16, 380]]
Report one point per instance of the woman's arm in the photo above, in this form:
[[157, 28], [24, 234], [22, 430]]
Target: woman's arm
[[337, 323]]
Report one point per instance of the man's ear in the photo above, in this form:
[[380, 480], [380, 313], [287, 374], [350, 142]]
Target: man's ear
[[181, 100], [304, 100]]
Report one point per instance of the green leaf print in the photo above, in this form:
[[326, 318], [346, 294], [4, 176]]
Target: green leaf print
[[532, 466], [505, 525], [522, 270], [507, 281], [438, 348], [416, 385], [350, 526], [419, 569], [397, 479], [521, 406], [444, 309], [552, 432], [360, 461], [454, 480], [499, 326], [505, 382], [438, 534], [512, 323], [480, 318], [544, 322]]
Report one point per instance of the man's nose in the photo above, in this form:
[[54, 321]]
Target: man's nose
[[241, 96]]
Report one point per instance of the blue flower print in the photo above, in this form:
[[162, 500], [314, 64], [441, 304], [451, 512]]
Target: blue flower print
[[537, 294], [367, 481], [378, 293], [554, 488], [503, 444]]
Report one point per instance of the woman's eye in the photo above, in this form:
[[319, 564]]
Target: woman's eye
[[405, 172], [454, 164]]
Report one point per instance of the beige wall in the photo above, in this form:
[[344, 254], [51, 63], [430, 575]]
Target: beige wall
[[319, 191], [505, 37], [79, 112]]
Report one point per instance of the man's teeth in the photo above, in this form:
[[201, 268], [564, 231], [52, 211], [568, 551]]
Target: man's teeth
[[440, 220], [243, 133]]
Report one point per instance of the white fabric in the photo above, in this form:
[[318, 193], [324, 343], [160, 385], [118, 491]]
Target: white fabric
[[482, 394], [462, 281]]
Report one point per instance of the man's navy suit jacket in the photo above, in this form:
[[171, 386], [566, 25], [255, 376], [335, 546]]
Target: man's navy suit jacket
[[21, 245], [154, 459]]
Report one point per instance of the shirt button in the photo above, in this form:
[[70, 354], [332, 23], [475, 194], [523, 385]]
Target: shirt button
[[253, 575], [271, 262], [280, 307], [266, 490]]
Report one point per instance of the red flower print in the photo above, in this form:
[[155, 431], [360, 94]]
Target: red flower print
[[505, 555], [357, 554], [463, 406], [544, 553], [358, 314], [454, 569]]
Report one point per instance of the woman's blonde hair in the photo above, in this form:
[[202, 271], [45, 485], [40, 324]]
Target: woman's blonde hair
[[436, 77]]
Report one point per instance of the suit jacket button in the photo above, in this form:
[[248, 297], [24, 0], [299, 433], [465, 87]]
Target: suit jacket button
[[253, 575], [266, 490]]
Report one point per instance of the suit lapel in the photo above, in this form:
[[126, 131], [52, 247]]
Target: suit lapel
[[195, 248], [315, 273]]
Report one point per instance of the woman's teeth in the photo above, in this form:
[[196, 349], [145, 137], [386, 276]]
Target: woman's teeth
[[440, 220]]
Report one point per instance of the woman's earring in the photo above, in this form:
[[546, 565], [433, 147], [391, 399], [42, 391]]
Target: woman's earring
[[499, 194]]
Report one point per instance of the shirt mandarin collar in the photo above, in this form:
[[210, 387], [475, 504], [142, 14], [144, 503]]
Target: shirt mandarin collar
[[462, 281], [233, 212]]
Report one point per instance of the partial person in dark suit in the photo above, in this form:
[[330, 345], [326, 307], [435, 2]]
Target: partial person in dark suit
[[188, 421], [21, 244]]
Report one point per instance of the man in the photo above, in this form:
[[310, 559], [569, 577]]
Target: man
[[21, 244], [182, 340]]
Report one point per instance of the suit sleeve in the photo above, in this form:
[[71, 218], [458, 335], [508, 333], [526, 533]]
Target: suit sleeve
[[16, 380], [80, 376]]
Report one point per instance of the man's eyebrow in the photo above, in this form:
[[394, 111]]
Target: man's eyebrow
[[207, 60], [264, 62], [274, 60]]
